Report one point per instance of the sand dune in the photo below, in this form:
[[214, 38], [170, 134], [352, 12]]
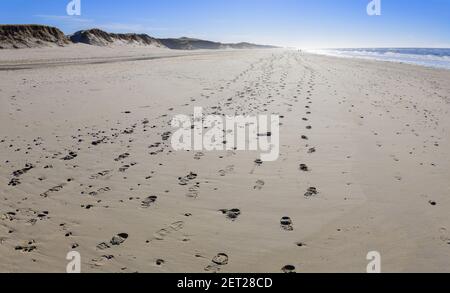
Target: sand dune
[[31, 36], [86, 164], [98, 37], [197, 44], [38, 36]]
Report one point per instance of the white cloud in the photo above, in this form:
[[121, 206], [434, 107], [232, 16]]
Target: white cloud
[[64, 18], [129, 27]]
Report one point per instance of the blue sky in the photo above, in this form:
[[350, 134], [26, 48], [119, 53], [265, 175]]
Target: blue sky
[[295, 23]]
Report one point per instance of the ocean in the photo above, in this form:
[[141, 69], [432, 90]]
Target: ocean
[[430, 57]]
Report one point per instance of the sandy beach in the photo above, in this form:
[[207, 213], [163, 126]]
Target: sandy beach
[[86, 164]]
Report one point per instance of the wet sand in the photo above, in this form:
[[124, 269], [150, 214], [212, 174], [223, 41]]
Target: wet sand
[[86, 163]]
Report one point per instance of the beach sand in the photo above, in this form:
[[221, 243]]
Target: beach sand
[[85, 163]]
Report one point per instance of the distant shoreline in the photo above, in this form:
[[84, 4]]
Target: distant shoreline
[[440, 60]]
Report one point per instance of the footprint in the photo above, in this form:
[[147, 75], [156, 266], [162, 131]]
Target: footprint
[[222, 173], [232, 214], [193, 191], [146, 203], [198, 155], [177, 226], [101, 261], [70, 156], [53, 190], [312, 191], [289, 269], [304, 168], [311, 150], [119, 239], [259, 185], [218, 262], [27, 249], [183, 181], [10, 216], [99, 141], [23, 171], [191, 176], [103, 246], [221, 259], [166, 135], [122, 157], [99, 191], [228, 170], [444, 235], [30, 247], [161, 234], [287, 224], [124, 168], [100, 174], [174, 227], [14, 182]]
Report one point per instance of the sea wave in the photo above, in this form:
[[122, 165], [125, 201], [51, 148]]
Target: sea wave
[[430, 57]]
